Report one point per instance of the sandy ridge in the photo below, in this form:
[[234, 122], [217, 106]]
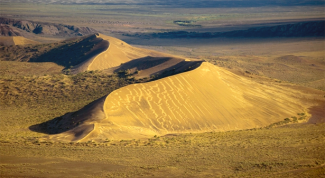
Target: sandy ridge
[[205, 99]]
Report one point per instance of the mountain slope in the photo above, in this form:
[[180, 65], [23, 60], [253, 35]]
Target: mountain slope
[[6, 30], [47, 28], [301, 29]]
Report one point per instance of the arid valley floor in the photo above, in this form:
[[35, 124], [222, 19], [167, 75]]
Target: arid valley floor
[[139, 88]]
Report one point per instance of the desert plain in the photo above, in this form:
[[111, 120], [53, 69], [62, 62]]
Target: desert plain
[[139, 88]]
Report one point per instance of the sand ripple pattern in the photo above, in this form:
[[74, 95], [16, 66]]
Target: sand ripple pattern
[[205, 99]]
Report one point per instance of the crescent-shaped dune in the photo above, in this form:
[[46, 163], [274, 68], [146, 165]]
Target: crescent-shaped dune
[[100, 52], [207, 98], [15, 40], [116, 53]]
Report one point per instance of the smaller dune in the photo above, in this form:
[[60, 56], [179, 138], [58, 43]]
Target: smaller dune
[[115, 53], [15, 40], [95, 52], [77, 125], [117, 56]]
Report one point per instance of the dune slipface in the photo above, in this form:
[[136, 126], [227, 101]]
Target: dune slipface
[[207, 98], [116, 53]]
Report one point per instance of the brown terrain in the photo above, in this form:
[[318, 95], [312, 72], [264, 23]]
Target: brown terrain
[[166, 89], [199, 120], [44, 28], [6, 30], [225, 100]]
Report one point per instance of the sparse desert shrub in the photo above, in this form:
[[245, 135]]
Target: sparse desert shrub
[[287, 120]]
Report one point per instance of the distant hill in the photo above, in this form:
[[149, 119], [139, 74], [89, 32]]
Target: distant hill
[[7, 30], [301, 29], [188, 3], [43, 28]]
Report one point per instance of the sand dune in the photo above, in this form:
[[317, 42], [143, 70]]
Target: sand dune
[[15, 40], [205, 99], [100, 52], [116, 53]]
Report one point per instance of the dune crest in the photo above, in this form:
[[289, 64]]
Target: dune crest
[[116, 53], [207, 98]]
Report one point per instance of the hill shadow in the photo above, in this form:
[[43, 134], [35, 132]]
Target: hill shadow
[[289, 30], [154, 67]]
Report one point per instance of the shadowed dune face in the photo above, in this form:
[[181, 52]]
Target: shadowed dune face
[[77, 125], [74, 53], [93, 52], [207, 98], [116, 53], [155, 67], [68, 53]]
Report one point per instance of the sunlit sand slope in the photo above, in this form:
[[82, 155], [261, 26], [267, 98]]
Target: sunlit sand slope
[[15, 40], [116, 53], [19, 40], [207, 98]]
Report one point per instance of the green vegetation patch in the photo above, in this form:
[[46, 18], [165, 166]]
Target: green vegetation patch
[[187, 23]]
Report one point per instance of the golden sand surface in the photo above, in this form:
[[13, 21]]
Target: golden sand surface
[[15, 40], [117, 52], [208, 98]]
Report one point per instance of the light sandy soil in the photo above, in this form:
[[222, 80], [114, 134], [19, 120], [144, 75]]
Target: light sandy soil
[[15, 40]]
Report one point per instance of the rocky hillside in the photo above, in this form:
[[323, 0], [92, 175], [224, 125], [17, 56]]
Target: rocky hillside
[[6, 30], [42, 28]]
